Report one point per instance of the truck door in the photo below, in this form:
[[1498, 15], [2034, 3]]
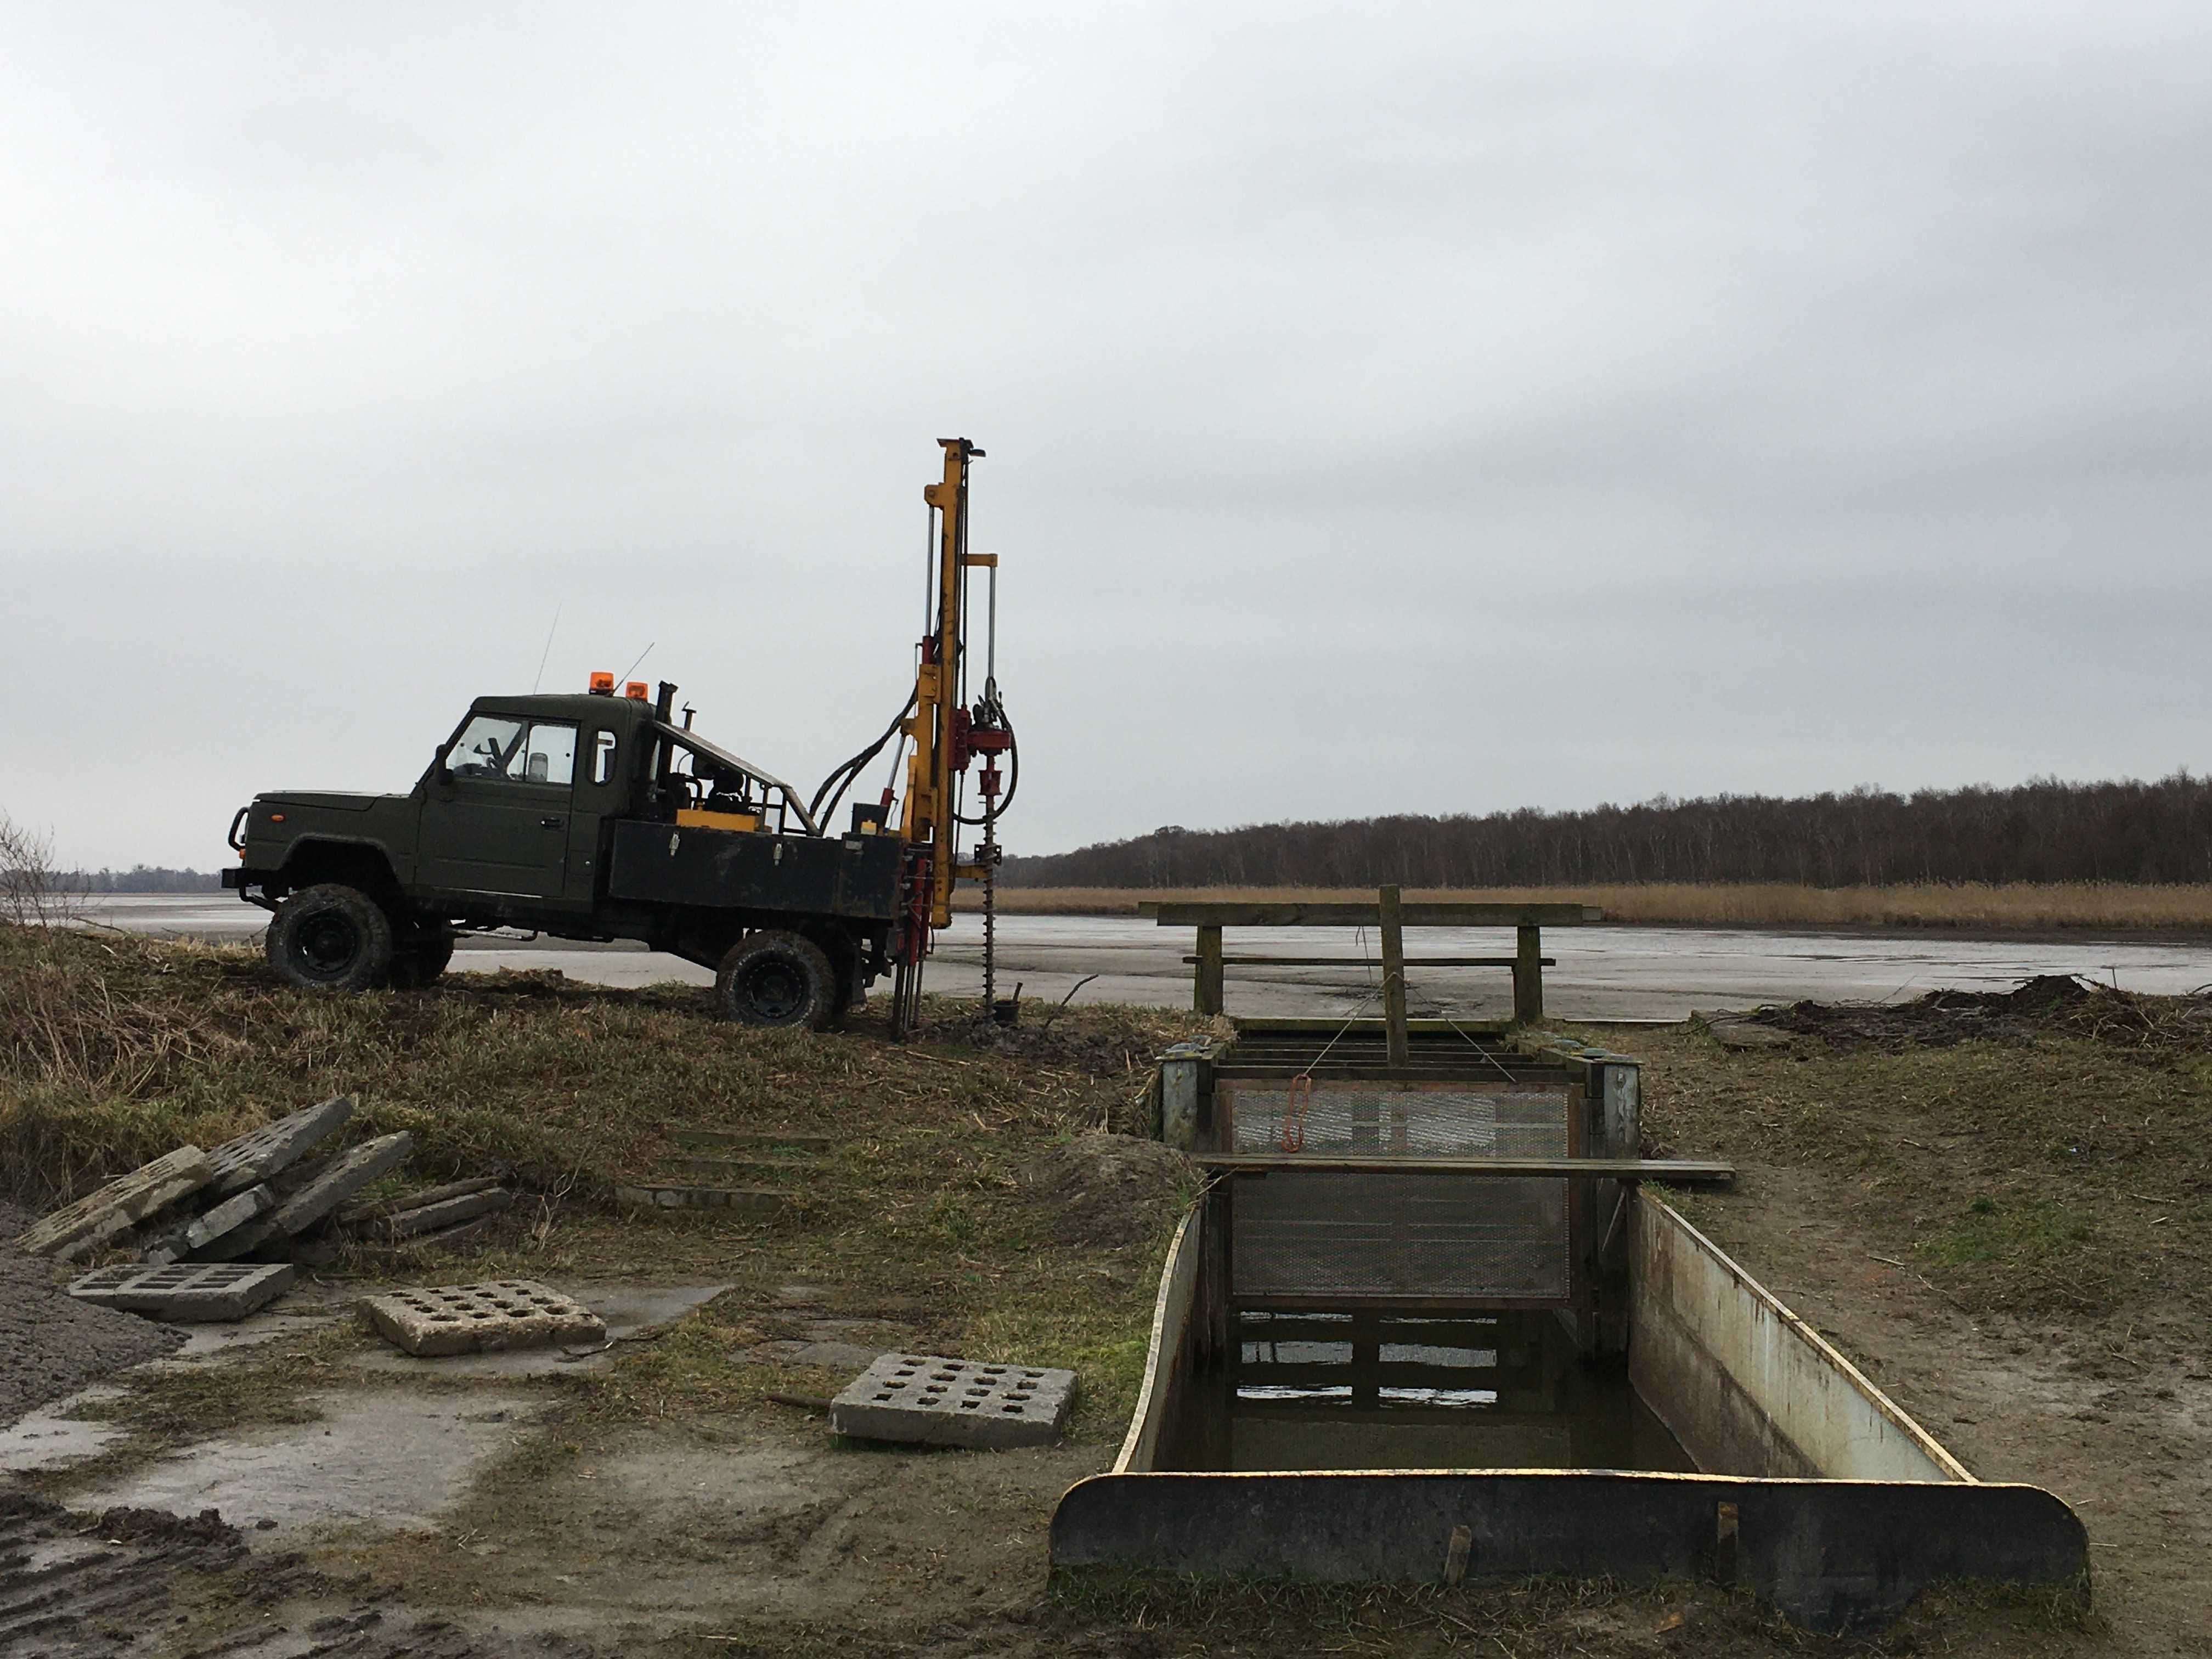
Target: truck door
[[496, 818], [601, 770]]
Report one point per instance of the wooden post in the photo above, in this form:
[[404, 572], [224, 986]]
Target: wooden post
[[1528, 976], [1207, 991], [1393, 981]]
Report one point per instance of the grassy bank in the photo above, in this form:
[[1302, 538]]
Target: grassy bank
[[1966, 907], [114, 1050]]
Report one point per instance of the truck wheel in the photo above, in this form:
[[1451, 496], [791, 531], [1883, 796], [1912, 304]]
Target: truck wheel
[[776, 979], [422, 958], [330, 937]]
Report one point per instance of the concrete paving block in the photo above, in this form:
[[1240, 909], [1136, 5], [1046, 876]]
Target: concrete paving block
[[375, 1208], [179, 1241], [346, 1176], [431, 1217], [84, 1226], [259, 1153], [190, 1294], [665, 1196], [504, 1313], [954, 1402]]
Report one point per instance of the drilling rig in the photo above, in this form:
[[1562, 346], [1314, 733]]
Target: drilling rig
[[594, 816]]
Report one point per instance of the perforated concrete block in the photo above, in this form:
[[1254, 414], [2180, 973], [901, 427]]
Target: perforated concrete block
[[505, 1313], [189, 1292], [85, 1225], [954, 1402], [259, 1153]]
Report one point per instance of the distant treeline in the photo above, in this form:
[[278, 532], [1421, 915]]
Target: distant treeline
[[2042, 831], [138, 879]]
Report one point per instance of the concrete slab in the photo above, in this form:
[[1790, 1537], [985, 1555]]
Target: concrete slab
[[954, 1402], [215, 1344], [625, 1310], [432, 1217], [81, 1228], [378, 1460], [189, 1294], [364, 1163], [376, 1208], [50, 1437], [258, 1154], [202, 1229], [832, 1356], [502, 1313]]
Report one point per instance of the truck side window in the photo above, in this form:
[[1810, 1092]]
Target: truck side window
[[486, 748], [603, 757], [513, 751], [552, 751]]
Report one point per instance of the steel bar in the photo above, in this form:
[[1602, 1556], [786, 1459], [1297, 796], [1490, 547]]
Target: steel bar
[[1589, 1169]]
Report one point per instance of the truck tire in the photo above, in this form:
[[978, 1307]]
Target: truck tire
[[330, 937], [772, 978], [421, 959]]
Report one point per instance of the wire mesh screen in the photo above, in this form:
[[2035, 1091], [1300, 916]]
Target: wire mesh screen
[[1437, 1236], [1459, 1119], [1446, 1237]]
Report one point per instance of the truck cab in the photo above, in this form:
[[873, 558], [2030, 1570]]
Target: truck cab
[[585, 816]]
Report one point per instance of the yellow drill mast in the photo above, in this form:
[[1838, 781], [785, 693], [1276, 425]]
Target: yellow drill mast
[[946, 734]]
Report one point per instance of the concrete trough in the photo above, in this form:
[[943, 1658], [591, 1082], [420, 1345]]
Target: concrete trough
[[1789, 1472]]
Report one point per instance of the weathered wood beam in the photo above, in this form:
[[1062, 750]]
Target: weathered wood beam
[[1198, 914]]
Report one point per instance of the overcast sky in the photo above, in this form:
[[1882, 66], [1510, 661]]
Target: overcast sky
[[1388, 407]]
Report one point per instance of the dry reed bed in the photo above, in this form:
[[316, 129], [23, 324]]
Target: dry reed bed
[[2012, 908]]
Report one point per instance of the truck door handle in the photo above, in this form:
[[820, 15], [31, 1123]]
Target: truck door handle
[[549, 823]]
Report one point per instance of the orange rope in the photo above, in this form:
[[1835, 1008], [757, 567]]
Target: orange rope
[[1292, 1139]]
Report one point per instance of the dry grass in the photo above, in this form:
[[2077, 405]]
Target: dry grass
[[567, 1089], [2064, 1173], [2021, 907]]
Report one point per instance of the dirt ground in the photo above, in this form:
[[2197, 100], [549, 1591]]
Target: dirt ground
[[1956, 1216]]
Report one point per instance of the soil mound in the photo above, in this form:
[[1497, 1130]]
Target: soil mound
[[1107, 1190], [2047, 1005], [51, 1344]]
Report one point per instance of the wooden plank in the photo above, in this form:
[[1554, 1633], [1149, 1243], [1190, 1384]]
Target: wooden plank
[[1206, 990], [1411, 962], [1692, 1170], [1393, 977], [1529, 977], [1198, 914]]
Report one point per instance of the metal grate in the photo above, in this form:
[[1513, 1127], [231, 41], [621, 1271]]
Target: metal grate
[[1457, 1120], [1442, 1238]]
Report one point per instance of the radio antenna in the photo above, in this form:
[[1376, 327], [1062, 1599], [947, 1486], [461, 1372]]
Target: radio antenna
[[546, 655]]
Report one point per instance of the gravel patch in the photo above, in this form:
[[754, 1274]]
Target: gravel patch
[[51, 1344]]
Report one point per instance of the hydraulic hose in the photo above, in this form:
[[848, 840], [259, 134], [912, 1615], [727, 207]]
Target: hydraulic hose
[[840, 778]]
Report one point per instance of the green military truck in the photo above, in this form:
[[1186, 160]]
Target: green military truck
[[589, 817]]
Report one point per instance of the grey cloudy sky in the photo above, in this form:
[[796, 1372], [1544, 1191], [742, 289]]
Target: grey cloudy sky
[[1388, 408]]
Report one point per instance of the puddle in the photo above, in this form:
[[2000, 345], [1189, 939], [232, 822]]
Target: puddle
[[50, 1435], [381, 1460], [1381, 1391]]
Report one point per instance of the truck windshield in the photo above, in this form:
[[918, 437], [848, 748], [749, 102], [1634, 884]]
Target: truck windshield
[[516, 750]]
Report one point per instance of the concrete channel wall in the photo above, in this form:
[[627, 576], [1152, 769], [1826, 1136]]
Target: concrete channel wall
[[1823, 1497], [1746, 1386], [1168, 1361]]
